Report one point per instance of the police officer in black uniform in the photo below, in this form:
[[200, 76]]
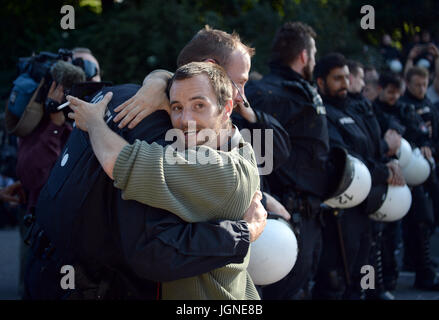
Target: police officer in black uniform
[[81, 220], [420, 222], [383, 148], [301, 183], [396, 115], [339, 271]]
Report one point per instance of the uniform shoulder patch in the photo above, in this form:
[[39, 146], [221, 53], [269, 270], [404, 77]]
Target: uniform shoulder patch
[[346, 120]]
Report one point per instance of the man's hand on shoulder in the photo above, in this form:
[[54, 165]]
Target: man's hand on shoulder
[[256, 217], [150, 98]]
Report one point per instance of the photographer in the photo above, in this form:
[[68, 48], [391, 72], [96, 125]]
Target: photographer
[[38, 151]]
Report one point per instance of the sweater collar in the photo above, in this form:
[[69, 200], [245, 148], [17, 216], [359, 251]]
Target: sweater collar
[[234, 141]]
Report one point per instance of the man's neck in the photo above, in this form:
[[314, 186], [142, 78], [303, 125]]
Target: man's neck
[[385, 104], [334, 101], [413, 97], [297, 67]]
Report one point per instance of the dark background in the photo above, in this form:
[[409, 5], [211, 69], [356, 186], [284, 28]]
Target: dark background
[[132, 37]]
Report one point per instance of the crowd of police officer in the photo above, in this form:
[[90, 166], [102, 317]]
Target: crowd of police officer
[[335, 240]]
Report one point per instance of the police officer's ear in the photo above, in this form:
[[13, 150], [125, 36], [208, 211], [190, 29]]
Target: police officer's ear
[[304, 57], [321, 84]]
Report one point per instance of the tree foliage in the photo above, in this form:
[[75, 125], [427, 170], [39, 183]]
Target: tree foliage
[[132, 37]]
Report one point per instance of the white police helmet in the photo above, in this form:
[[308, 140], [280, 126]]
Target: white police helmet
[[274, 253], [418, 170], [404, 153], [395, 204], [353, 186]]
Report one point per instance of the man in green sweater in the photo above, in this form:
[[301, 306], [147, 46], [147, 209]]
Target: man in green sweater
[[217, 186]]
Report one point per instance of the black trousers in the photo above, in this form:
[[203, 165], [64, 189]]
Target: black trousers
[[339, 278], [309, 246], [419, 219]]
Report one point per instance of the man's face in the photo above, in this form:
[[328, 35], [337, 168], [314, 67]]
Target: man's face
[[356, 81], [309, 67], [193, 100], [337, 83], [370, 91], [91, 58], [390, 94], [237, 69], [417, 86]]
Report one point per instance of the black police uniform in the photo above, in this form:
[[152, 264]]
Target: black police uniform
[[302, 182], [119, 249], [381, 251], [402, 118], [340, 277], [419, 224], [279, 148], [430, 115]]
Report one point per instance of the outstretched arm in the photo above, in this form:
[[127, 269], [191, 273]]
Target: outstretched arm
[[90, 117]]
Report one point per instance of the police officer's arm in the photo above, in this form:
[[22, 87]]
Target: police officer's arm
[[279, 146], [336, 140], [166, 248], [150, 97], [415, 132], [379, 172]]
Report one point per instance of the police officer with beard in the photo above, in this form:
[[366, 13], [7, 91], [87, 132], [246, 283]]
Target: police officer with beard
[[349, 131], [301, 183]]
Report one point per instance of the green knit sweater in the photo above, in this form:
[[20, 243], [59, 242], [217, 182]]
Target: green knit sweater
[[221, 189]]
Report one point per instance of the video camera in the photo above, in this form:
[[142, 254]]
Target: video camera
[[27, 101], [38, 66]]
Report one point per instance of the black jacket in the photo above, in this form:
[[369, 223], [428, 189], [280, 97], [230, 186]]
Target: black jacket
[[365, 111], [271, 156], [284, 94], [429, 115], [348, 128], [403, 118], [89, 224]]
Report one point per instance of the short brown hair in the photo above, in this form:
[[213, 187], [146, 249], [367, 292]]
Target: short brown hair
[[290, 40], [214, 44], [218, 79], [416, 71], [354, 67]]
